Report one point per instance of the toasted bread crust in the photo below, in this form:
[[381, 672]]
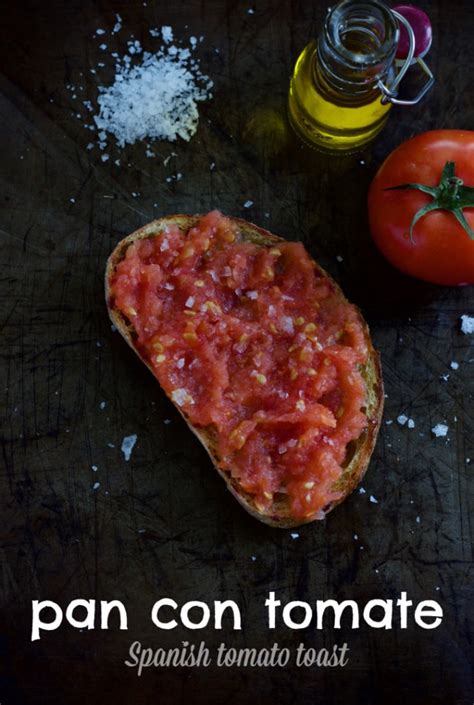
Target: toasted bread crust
[[278, 515]]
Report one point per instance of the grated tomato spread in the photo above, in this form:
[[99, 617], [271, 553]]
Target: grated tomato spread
[[257, 343]]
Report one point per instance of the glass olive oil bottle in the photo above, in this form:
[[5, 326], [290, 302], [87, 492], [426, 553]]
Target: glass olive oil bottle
[[335, 103]]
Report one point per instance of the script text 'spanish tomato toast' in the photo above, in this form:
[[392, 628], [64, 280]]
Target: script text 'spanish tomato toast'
[[256, 345]]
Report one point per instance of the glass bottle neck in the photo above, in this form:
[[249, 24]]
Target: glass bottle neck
[[356, 47]]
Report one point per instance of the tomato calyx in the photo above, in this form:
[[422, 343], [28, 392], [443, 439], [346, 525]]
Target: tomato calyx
[[450, 195]]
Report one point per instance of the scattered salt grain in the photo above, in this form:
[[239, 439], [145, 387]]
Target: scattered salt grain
[[440, 430], [189, 302], [361, 490], [445, 377], [180, 363], [339, 258], [103, 47], [166, 421], [167, 34], [94, 468], [105, 157], [254, 558], [417, 520], [402, 419], [128, 445], [373, 500], [286, 324], [411, 423], [96, 485], [100, 31], [118, 25], [164, 245], [294, 535], [356, 537], [72, 200], [181, 397], [248, 204], [467, 324], [212, 166], [454, 365], [252, 295], [102, 405]]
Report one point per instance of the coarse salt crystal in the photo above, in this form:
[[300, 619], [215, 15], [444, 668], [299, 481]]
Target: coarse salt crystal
[[189, 302], [168, 286], [411, 423], [454, 365], [248, 204], [467, 324], [402, 419], [286, 323], [96, 485], [440, 430], [180, 363], [373, 500], [294, 535], [128, 445], [252, 294], [167, 34], [181, 396]]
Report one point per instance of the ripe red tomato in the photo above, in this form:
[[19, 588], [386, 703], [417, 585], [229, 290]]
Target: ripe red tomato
[[440, 250]]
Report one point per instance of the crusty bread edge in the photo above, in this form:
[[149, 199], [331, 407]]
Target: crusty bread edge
[[372, 373]]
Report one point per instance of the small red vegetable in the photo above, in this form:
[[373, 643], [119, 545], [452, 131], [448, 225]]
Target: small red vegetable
[[421, 207]]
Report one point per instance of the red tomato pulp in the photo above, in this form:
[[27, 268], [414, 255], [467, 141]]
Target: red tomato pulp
[[257, 343]]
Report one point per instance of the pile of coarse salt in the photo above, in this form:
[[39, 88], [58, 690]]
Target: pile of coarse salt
[[154, 96]]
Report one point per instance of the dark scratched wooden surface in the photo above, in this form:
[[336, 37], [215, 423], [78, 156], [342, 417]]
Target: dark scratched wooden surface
[[163, 524]]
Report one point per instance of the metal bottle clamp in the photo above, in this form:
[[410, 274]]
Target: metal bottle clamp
[[390, 93]]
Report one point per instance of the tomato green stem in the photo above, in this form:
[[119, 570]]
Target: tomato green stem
[[450, 195]]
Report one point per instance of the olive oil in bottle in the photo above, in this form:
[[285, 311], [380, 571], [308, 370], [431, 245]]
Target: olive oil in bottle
[[335, 103]]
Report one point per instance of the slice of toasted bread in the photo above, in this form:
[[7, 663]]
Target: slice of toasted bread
[[358, 452]]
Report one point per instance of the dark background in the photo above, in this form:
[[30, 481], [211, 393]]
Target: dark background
[[163, 524]]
